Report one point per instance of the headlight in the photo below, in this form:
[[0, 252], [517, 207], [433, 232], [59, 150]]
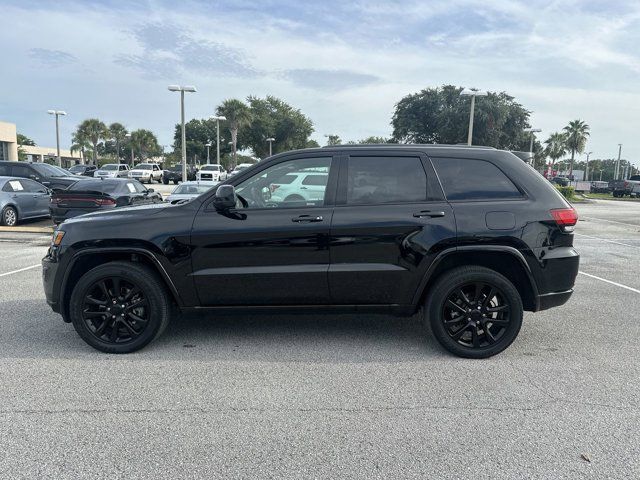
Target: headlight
[[57, 237]]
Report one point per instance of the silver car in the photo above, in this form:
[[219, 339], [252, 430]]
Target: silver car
[[188, 190], [112, 170], [20, 199]]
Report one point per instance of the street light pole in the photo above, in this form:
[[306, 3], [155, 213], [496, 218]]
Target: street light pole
[[473, 93], [270, 140], [586, 169], [128, 135], [618, 162], [208, 145], [182, 89], [217, 118], [57, 113], [533, 132]]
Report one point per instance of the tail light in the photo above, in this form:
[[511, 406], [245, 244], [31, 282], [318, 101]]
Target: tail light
[[99, 202], [566, 218]]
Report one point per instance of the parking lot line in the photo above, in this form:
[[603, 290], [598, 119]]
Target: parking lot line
[[609, 281], [20, 270], [607, 240]]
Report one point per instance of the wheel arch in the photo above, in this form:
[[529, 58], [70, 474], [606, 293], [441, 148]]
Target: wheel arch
[[505, 260], [88, 259]]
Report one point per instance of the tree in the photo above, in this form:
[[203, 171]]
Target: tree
[[311, 144], [198, 133], [80, 144], [576, 135], [118, 133], [333, 140], [238, 115], [145, 144], [441, 115], [274, 118], [23, 140], [556, 147], [373, 140], [92, 130]]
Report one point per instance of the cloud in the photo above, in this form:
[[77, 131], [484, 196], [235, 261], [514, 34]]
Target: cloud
[[329, 79], [52, 58]]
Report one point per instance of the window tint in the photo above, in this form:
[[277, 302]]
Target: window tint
[[104, 186], [33, 187], [21, 171], [465, 179], [276, 187], [385, 180], [4, 171]]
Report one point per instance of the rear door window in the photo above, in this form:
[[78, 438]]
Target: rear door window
[[373, 180], [20, 171], [472, 179]]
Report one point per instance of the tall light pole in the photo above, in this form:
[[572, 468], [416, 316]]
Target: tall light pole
[[586, 169], [270, 140], [618, 162], [57, 113], [182, 89], [533, 132], [128, 135], [217, 118], [473, 93], [208, 145]]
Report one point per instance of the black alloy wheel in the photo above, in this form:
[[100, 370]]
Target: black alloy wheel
[[119, 307], [474, 312], [115, 310]]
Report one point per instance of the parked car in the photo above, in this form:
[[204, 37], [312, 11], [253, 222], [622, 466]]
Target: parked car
[[48, 175], [600, 187], [630, 187], [239, 168], [112, 170], [472, 247], [99, 194], [146, 172], [299, 186], [188, 191], [83, 170], [211, 173], [174, 174], [22, 199], [562, 181]]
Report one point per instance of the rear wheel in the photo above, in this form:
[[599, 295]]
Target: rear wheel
[[119, 307], [9, 216], [175, 182], [474, 312], [165, 181]]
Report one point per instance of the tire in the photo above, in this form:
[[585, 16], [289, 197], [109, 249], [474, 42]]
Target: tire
[[478, 336], [165, 181], [148, 320], [9, 216], [175, 182]]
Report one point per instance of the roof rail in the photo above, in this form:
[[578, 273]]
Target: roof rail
[[409, 145]]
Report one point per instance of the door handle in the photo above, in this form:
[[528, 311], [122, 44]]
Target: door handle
[[303, 188], [428, 213], [307, 219]]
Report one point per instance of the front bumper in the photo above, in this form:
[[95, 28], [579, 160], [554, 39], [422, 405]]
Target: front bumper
[[49, 274]]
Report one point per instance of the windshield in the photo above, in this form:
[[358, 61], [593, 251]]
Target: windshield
[[104, 186], [176, 168], [47, 170], [191, 189], [144, 166], [77, 168], [110, 166], [209, 167]]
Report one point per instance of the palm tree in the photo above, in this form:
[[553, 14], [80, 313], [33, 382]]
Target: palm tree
[[576, 134], [238, 115], [145, 143], [556, 146], [80, 144], [118, 133], [93, 130]]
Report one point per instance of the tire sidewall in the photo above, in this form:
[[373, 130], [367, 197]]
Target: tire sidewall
[[4, 213], [442, 289], [158, 307]]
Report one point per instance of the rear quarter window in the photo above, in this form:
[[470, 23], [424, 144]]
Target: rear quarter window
[[473, 179]]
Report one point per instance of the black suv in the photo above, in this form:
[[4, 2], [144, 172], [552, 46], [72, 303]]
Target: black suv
[[48, 175], [174, 174], [473, 235]]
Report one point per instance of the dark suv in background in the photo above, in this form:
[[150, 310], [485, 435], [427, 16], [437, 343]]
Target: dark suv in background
[[48, 175], [473, 235]]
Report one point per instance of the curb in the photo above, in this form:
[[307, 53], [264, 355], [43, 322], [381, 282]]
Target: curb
[[27, 229]]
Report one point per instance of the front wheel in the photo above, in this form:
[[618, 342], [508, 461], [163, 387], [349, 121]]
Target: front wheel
[[119, 307], [474, 312], [9, 217]]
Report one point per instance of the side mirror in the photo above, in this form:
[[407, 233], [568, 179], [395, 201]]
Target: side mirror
[[225, 197], [150, 190]]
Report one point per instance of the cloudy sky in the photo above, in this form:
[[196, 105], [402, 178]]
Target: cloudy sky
[[345, 64]]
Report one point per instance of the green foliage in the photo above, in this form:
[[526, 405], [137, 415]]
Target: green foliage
[[576, 135], [567, 192], [556, 146], [237, 116], [272, 117], [24, 140], [145, 144], [118, 133], [198, 133], [92, 131], [312, 144], [374, 140], [441, 115], [333, 140]]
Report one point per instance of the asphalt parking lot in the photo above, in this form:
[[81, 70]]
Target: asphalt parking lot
[[331, 396]]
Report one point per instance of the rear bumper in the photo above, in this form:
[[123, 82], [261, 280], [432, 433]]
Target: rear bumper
[[555, 299]]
